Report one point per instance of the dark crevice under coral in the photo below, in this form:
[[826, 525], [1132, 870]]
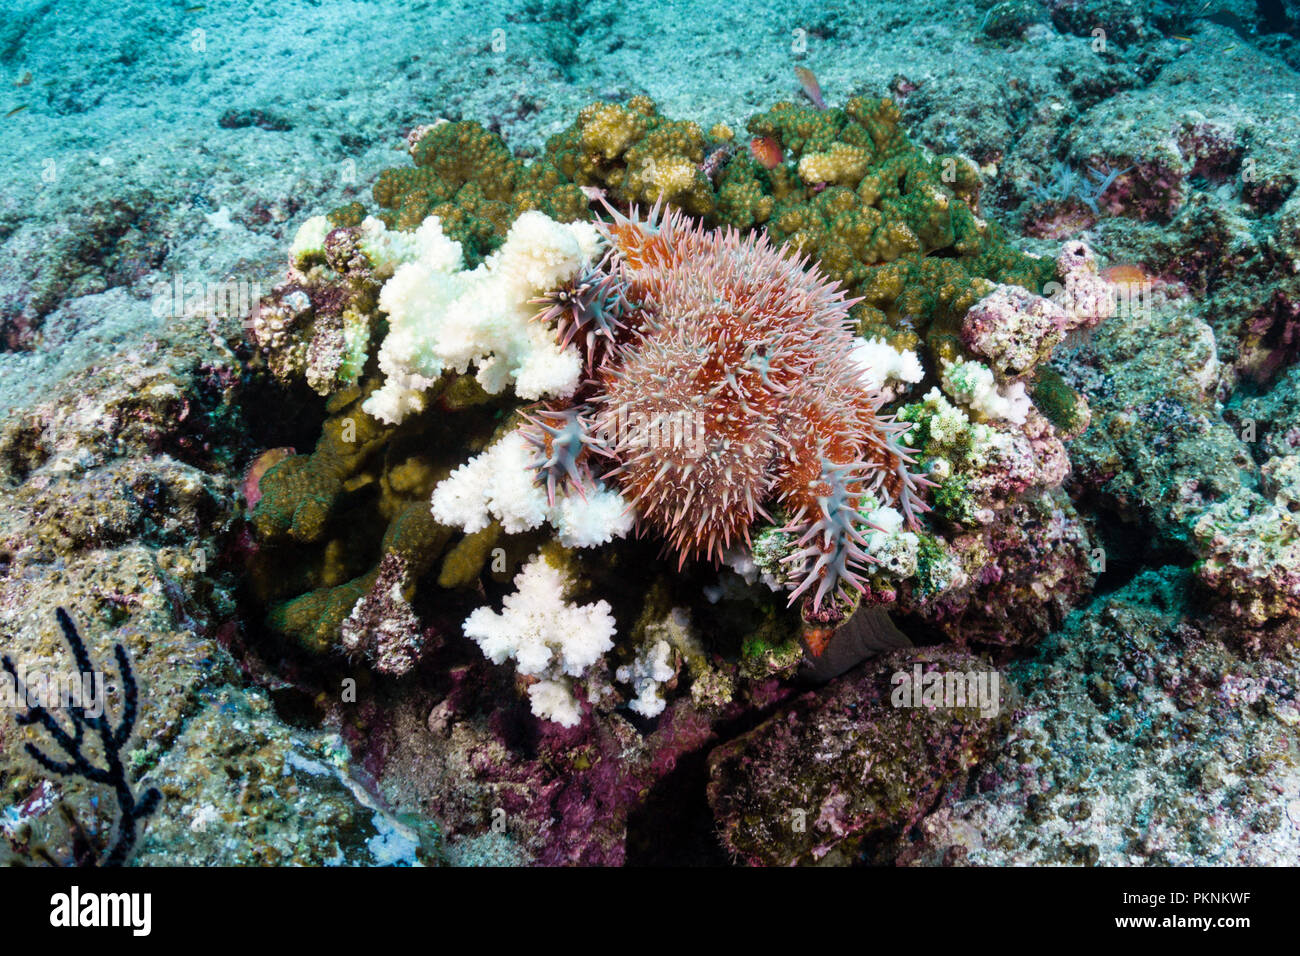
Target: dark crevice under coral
[[1129, 547]]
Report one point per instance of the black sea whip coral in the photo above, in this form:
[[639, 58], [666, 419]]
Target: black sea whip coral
[[112, 741]]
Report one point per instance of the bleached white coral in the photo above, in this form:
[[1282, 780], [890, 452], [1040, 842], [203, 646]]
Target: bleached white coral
[[309, 239], [647, 673], [594, 519], [882, 364], [972, 384], [403, 392], [442, 316], [894, 549], [545, 636], [554, 700], [389, 248], [496, 484], [501, 484]]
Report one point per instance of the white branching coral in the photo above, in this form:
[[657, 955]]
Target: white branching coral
[[885, 368], [547, 638], [554, 700], [649, 671], [599, 516], [501, 484], [496, 484], [442, 316]]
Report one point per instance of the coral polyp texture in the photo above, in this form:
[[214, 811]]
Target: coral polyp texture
[[550, 640]]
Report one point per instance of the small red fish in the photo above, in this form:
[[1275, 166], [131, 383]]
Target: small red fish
[[766, 151], [811, 88]]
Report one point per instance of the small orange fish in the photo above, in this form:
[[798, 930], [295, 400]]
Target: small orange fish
[[766, 151], [811, 88], [818, 638], [1125, 273]]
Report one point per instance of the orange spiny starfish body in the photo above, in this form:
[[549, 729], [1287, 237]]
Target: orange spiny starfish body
[[735, 390]]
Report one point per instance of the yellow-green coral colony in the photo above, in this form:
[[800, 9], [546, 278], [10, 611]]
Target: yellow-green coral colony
[[466, 176], [895, 225]]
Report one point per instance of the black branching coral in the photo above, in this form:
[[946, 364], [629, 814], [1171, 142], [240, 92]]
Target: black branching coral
[[112, 740]]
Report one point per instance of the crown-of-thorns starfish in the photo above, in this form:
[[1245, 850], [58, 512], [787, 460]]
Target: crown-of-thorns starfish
[[592, 308], [729, 389], [563, 443]]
